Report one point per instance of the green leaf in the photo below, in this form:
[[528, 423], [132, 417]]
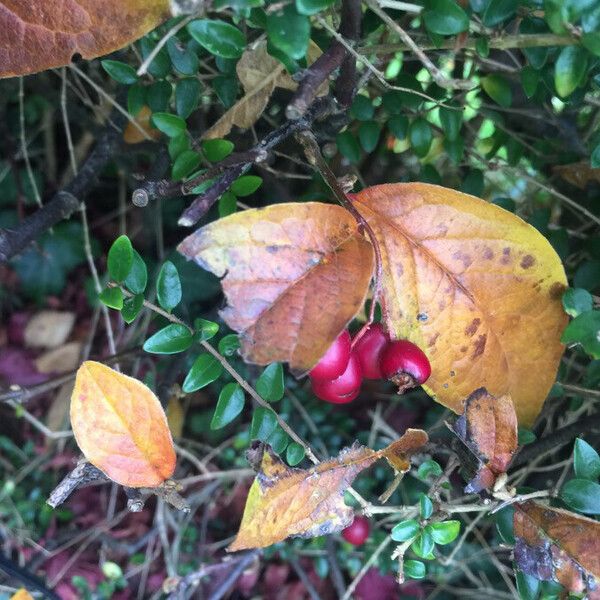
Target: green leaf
[[171, 339], [294, 454], [178, 144], [451, 120], [505, 525], [576, 301], [158, 96], [289, 31], [137, 278], [586, 461], [527, 586], [482, 47], [226, 88], [136, 99], [368, 134], [205, 330], [312, 7], [405, 530], [445, 17], [160, 66], [429, 468], [498, 89], [444, 532], [278, 440], [348, 146], [120, 258], [498, 11], [227, 204], [229, 406], [537, 57], [270, 383], [263, 424], [120, 71], [569, 70], [205, 370], [530, 79], [414, 569], [168, 286], [169, 124], [246, 185], [398, 126], [112, 297], [362, 108], [184, 59], [525, 436], [423, 545], [187, 93], [216, 150], [582, 495], [420, 136], [219, 38], [591, 41], [185, 164], [229, 344], [584, 330], [132, 307], [595, 158], [425, 506]]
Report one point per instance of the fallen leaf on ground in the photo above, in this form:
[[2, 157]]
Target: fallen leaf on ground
[[488, 427], [552, 544], [59, 360], [477, 288], [285, 502], [294, 275], [48, 329], [121, 427]]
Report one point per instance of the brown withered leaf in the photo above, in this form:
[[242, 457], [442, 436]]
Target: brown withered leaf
[[284, 502], [488, 427], [578, 174], [473, 285], [552, 544], [259, 73], [141, 129], [294, 276], [38, 35]]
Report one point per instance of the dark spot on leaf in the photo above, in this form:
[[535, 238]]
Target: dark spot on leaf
[[488, 254], [556, 290], [479, 346], [463, 349], [452, 373], [433, 340], [465, 259], [473, 327], [272, 249], [422, 317], [445, 386], [527, 261]]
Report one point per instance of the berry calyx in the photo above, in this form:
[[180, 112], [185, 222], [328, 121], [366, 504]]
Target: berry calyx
[[335, 360], [358, 531], [369, 348], [405, 364], [342, 389]]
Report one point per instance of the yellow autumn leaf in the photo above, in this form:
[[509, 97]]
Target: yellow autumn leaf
[[21, 594]]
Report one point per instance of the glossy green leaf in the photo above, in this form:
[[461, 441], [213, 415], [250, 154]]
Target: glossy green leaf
[[348, 146], [229, 344], [112, 297], [263, 424], [205, 370], [451, 119], [576, 301], [498, 89], [185, 164], [158, 96], [229, 406], [586, 461], [137, 278], [227, 204], [362, 108], [246, 185], [420, 136], [425, 506], [289, 31], [170, 125], [120, 258], [171, 339], [569, 70], [429, 468], [584, 330], [205, 329], [312, 7], [595, 158], [505, 525], [530, 79], [294, 454], [187, 94], [398, 126], [445, 17], [217, 149], [278, 440], [444, 532], [414, 569], [132, 307], [119, 71], [183, 57], [368, 134], [498, 11], [591, 41], [423, 545], [218, 37], [168, 286], [405, 530], [270, 385], [160, 66], [582, 495], [528, 586], [136, 98]]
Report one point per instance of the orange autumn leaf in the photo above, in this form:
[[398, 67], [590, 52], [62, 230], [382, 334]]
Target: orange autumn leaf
[[38, 35], [21, 594], [552, 544], [284, 502], [121, 427], [140, 129], [294, 275], [477, 288], [489, 428]]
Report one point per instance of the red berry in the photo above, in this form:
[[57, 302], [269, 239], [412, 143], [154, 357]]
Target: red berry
[[358, 531], [369, 348], [335, 360], [344, 388], [405, 364]]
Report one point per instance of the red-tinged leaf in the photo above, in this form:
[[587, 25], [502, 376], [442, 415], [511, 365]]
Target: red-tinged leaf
[[294, 275], [556, 545], [121, 427], [488, 427]]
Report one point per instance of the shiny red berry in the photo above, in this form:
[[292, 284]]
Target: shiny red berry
[[405, 364], [369, 348], [358, 531], [335, 360], [344, 388]]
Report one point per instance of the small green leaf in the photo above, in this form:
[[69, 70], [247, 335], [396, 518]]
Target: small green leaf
[[227, 204], [178, 144], [263, 424], [226, 88], [160, 66], [132, 307], [525, 436], [528, 586], [184, 59], [586, 461], [158, 96], [112, 297], [219, 38], [120, 258], [362, 108], [576, 301], [217, 149], [137, 277], [423, 545], [368, 134], [120, 71], [289, 31], [569, 70], [482, 47], [229, 406], [294, 454], [414, 569], [584, 330], [582, 495], [451, 120], [187, 93], [171, 339], [312, 7], [444, 532], [425, 506], [170, 125], [168, 286], [591, 41], [398, 126], [530, 79], [205, 370], [136, 99], [505, 525], [246, 185], [445, 17], [420, 136], [498, 89], [185, 164], [498, 11], [270, 383], [278, 440], [595, 158], [205, 330], [229, 344], [405, 530], [348, 146], [429, 468]]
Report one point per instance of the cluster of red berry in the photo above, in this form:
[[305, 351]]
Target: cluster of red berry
[[337, 377]]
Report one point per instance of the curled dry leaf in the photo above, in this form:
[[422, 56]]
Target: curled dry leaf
[[294, 276], [259, 73], [141, 129], [552, 544], [489, 429], [477, 288], [285, 502], [121, 427], [38, 35], [578, 174]]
